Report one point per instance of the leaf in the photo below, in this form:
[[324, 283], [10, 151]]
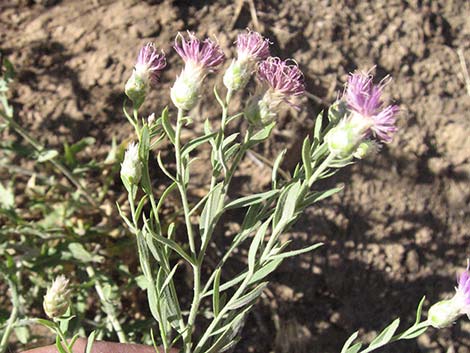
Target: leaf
[[261, 135], [144, 144], [413, 332], [286, 207], [320, 195], [318, 126], [169, 278], [169, 131], [349, 342], [216, 293], [276, 166], [307, 158], [163, 168], [248, 298], [7, 197], [59, 346], [251, 199], [47, 155], [384, 337], [419, 310], [295, 252], [210, 213], [193, 144], [255, 244], [49, 324], [23, 334], [79, 252], [170, 243], [90, 341]]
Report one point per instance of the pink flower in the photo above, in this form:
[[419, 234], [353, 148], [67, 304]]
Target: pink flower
[[206, 54], [463, 291], [283, 77], [252, 46], [150, 62], [364, 98]]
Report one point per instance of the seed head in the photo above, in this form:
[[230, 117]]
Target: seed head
[[57, 299]]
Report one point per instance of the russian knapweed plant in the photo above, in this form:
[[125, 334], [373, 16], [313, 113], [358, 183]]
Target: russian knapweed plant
[[359, 122]]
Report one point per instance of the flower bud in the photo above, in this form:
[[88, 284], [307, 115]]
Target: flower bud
[[185, 91], [237, 76], [131, 168], [146, 72], [259, 111], [151, 119], [343, 139], [57, 299], [136, 89], [445, 312], [365, 149]]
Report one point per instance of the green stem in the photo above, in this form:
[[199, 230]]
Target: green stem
[[180, 180], [108, 307], [13, 316], [62, 337]]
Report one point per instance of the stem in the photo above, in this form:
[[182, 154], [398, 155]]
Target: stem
[[180, 181], [108, 307], [13, 316], [180, 176], [62, 338]]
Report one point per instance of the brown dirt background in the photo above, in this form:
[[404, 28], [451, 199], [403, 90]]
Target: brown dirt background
[[399, 230]]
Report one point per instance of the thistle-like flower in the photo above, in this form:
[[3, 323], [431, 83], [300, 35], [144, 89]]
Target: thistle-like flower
[[446, 312], [281, 80], [200, 57], [364, 99], [57, 299], [131, 167], [251, 48], [146, 73]]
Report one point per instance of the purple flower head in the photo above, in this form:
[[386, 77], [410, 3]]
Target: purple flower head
[[206, 54], [150, 62], [365, 99], [463, 289], [252, 46], [283, 77]]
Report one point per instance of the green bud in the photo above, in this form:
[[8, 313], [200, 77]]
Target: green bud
[[131, 167], [136, 89], [444, 313], [258, 112], [365, 149], [185, 91], [57, 299], [342, 140], [237, 76]]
